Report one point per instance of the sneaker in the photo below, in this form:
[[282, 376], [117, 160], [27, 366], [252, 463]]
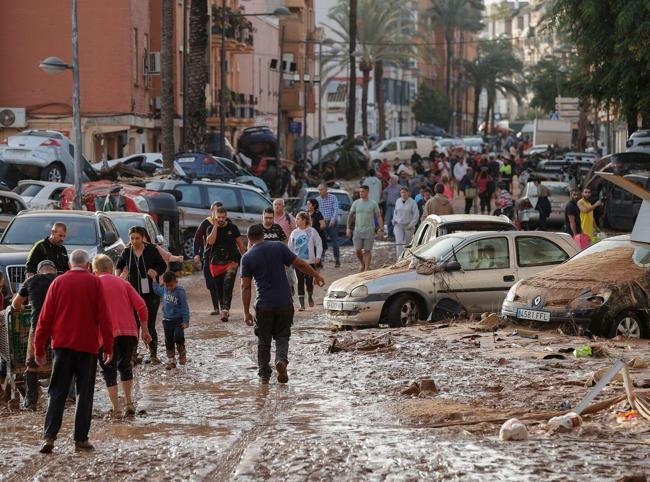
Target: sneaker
[[85, 445], [171, 364], [281, 367], [224, 316], [154, 360], [48, 446]]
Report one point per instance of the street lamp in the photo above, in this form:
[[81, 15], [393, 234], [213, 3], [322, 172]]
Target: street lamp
[[54, 65], [278, 12]]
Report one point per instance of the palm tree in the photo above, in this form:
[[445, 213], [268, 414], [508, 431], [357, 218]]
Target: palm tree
[[352, 92], [454, 16], [167, 84], [197, 76], [379, 40]]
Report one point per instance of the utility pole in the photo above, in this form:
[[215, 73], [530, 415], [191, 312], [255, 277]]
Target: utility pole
[[224, 87], [280, 84], [305, 74], [76, 109], [186, 7]]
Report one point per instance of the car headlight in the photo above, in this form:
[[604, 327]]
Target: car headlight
[[359, 292], [141, 203], [599, 298], [512, 293]]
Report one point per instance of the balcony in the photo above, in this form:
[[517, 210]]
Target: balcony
[[295, 3], [238, 31], [295, 32], [240, 110]]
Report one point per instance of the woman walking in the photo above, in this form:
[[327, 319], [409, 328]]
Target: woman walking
[[141, 264], [317, 221], [485, 187], [306, 243]]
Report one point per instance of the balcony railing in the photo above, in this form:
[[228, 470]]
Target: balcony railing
[[238, 105], [237, 27]]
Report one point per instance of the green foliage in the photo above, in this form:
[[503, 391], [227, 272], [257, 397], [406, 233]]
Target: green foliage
[[546, 80], [349, 165], [432, 107]]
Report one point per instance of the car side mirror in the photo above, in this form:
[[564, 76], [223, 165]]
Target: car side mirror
[[160, 239], [452, 266], [110, 238]]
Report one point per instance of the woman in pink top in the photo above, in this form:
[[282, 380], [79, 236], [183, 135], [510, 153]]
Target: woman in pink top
[[124, 300], [449, 192]]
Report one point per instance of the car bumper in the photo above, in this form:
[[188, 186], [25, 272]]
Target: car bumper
[[581, 317], [353, 313]]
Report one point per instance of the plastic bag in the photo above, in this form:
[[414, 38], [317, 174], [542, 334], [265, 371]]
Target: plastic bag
[[582, 240]]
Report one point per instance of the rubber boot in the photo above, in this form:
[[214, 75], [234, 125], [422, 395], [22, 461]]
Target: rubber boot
[[215, 302], [171, 359], [153, 356], [301, 300], [31, 390], [182, 353], [310, 298]]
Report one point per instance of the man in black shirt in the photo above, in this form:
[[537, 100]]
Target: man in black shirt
[[272, 231], [34, 289], [572, 214], [50, 248], [202, 254]]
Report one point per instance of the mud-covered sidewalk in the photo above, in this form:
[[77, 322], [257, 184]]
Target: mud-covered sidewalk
[[343, 415]]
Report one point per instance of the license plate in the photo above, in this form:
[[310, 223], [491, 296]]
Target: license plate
[[534, 315], [334, 305]]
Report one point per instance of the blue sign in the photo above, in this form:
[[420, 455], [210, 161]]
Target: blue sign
[[295, 127]]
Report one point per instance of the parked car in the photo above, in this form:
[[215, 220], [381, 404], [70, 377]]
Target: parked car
[[214, 146], [203, 165], [474, 144], [245, 204], [400, 147], [435, 226], [294, 205], [554, 170], [42, 154], [327, 150], [41, 194], [125, 221], [10, 205], [560, 195], [601, 289], [91, 231], [536, 150], [622, 208], [580, 156], [639, 141], [450, 146], [453, 275]]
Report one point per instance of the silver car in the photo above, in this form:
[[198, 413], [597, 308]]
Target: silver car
[[343, 197], [10, 205], [560, 195], [452, 276]]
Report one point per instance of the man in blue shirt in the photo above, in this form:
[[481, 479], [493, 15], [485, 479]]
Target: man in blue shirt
[[329, 208], [265, 262]]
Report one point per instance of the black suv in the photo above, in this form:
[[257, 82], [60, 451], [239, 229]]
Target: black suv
[[93, 232]]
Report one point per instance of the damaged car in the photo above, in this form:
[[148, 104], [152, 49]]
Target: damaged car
[[602, 289], [452, 276]]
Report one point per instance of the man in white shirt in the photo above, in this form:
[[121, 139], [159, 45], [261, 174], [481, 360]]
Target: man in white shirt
[[460, 169], [405, 218], [374, 186]]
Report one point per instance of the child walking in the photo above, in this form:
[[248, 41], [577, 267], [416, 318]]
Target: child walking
[[306, 243], [176, 318]]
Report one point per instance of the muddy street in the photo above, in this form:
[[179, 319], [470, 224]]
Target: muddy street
[[343, 415]]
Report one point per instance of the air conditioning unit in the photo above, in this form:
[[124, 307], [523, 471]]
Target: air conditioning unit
[[154, 63], [13, 117]]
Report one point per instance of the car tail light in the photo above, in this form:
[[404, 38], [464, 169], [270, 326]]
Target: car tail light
[[4, 142], [209, 160], [51, 143]]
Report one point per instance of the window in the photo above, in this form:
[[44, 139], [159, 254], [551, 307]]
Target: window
[[254, 203], [135, 64], [390, 147], [408, 145], [489, 253], [28, 190], [191, 195], [9, 206], [105, 226], [226, 196], [145, 63], [56, 194], [538, 252], [26, 230], [423, 236]]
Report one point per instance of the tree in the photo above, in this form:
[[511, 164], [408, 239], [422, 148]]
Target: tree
[[167, 84], [197, 76], [380, 39], [454, 16], [548, 79], [352, 91], [431, 106]]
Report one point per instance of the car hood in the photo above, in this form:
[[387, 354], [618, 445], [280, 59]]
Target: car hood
[[17, 253], [562, 285]]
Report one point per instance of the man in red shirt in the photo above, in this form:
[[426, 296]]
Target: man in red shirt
[[73, 316]]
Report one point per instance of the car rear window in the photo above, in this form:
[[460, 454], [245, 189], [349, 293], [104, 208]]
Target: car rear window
[[29, 190], [473, 226], [29, 229]]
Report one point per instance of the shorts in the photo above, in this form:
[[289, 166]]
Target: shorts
[[124, 348], [363, 241]]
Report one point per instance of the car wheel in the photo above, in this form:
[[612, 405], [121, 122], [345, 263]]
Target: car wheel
[[53, 173], [628, 325], [188, 244], [403, 310]]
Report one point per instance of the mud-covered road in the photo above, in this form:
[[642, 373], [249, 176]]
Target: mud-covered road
[[342, 416]]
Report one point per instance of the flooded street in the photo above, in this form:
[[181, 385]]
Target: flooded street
[[343, 416]]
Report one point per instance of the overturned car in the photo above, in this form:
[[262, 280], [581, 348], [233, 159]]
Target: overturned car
[[602, 289]]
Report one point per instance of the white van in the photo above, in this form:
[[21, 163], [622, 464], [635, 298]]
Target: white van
[[400, 147]]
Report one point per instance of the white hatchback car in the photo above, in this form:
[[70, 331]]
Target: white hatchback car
[[41, 194], [452, 276]]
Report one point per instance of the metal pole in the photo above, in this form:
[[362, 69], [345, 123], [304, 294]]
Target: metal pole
[[281, 70], [305, 72], [222, 107], [76, 109], [320, 106], [184, 130]]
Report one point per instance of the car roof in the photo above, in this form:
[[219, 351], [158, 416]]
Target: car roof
[[12, 195], [57, 213], [124, 214], [458, 218], [43, 183], [329, 189], [473, 235], [176, 182], [551, 183]]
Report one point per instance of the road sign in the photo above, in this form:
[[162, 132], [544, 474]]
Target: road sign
[[295, 127]]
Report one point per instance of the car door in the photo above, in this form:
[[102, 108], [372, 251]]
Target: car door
[[620, 209], [535, 254], [487, 273], [345, 203], [192, 207], [406, 149], [114, 250], [254, 205], [229, 197]]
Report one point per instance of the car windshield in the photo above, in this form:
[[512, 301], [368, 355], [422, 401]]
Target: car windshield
[[378, 146], [28, 190], [604, 245], [124, 223], [29, 229], [438, 248]]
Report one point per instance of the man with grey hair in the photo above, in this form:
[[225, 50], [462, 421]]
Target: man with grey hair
[[283, 218], [329, 208], [76, 318]]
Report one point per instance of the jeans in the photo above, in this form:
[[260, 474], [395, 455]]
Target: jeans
[[210, 284], [123, 349], [403, 236], [153, 302], [390, 210], [331, 233], [468, 205], [225, 284], [68, 363], [305, 279], [484, 197], [272, 324], [174, 334]]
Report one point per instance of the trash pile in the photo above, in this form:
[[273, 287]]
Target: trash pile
[[381, 342]]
